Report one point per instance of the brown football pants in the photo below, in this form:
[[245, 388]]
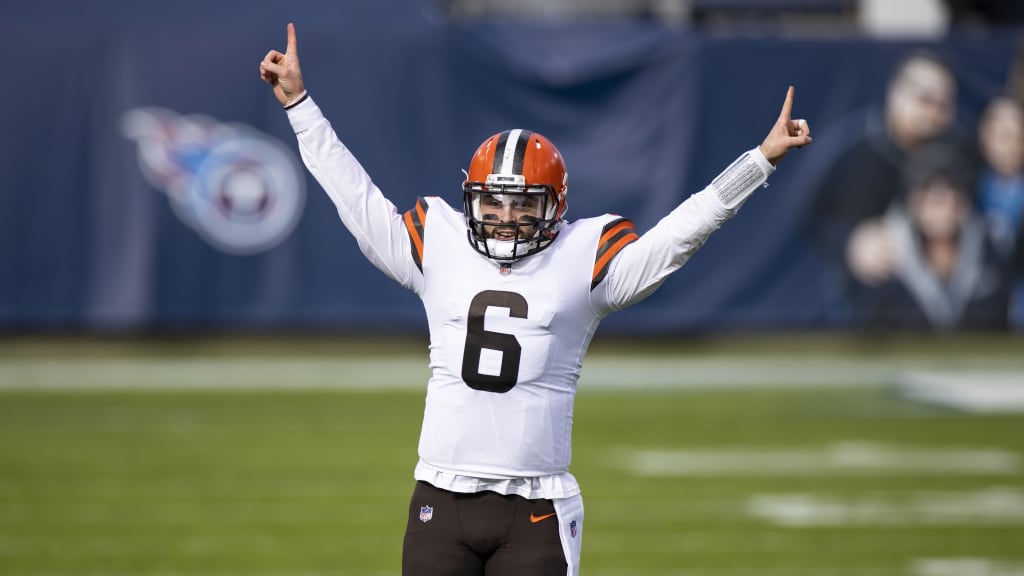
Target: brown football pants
[[481, 534]]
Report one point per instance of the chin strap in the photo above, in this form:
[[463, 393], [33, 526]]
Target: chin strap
[[507, 249]]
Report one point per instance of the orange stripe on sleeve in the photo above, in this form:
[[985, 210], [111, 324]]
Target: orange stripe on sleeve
[[614, 230], [602, 262], [421, 211], [417, 242]]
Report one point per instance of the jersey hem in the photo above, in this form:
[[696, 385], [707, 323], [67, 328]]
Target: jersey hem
[[561, 485]]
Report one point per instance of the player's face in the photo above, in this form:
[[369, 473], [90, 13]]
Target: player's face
[[520, 209]]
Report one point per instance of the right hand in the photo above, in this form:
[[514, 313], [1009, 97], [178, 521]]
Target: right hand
[[282, 71]]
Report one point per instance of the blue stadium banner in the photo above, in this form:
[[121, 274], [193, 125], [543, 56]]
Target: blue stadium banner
[[150, 180]]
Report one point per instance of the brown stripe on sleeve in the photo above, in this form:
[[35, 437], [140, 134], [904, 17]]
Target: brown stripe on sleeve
[[615, 236], [415, 220]]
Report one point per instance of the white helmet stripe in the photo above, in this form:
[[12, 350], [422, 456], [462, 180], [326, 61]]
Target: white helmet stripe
[[512, 152], [508, 155]]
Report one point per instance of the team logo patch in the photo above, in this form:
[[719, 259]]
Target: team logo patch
[[239, 189], [572, 528], [426, 513]]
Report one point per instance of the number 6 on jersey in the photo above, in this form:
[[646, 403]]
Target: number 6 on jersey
[[478, 339]]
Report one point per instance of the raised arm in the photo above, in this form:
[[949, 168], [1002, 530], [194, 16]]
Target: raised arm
[[642, 266], [282, 71], [378, 227]]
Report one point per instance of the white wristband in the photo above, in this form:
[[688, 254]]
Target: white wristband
[[296, 101], [741, 178]]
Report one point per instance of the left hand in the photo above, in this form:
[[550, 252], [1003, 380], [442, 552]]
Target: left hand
[[786, 134]]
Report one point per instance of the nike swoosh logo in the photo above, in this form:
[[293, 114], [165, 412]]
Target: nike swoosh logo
[[536, 519]]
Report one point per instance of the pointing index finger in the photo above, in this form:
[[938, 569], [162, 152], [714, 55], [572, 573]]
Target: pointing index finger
[[787, 106], [292, 44]]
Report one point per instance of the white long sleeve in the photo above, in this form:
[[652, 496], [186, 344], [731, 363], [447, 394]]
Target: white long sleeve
[[369, 216], [643, 265]]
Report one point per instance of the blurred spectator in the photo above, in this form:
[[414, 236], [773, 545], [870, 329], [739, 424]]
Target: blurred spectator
[[1001, 185], [866, 177], [928, 263]]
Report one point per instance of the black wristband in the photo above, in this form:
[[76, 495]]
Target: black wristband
[[302, 97]]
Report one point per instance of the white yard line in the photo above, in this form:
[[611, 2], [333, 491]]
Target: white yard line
[[843, 458], [968, 391], [231, 373], [969, 566], [410, 372], [997, 506]]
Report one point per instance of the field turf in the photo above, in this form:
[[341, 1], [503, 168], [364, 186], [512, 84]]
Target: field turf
[[843, 477]]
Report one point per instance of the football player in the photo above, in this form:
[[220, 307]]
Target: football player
[[511, 313]]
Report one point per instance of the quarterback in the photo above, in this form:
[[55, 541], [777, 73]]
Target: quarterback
[[513, 292]]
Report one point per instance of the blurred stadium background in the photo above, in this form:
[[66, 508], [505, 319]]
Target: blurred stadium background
[[200, 374]]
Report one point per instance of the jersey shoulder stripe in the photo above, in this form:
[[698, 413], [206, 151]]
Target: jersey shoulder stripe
[[415, 220], [615, 236]]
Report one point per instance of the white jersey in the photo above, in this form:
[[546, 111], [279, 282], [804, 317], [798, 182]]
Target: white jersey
[[507, 341]]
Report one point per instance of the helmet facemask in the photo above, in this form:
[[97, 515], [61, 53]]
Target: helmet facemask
[[514, 195], [508, 219]]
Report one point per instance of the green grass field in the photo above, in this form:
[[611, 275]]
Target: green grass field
[[157, 459]]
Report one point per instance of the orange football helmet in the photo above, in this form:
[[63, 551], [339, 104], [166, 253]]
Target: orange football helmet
[[514, 195]]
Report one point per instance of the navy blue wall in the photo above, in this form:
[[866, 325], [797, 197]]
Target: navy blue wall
[[644, 115]]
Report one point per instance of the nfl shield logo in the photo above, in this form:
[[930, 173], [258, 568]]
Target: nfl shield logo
[[572, 527], [426, 513]]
